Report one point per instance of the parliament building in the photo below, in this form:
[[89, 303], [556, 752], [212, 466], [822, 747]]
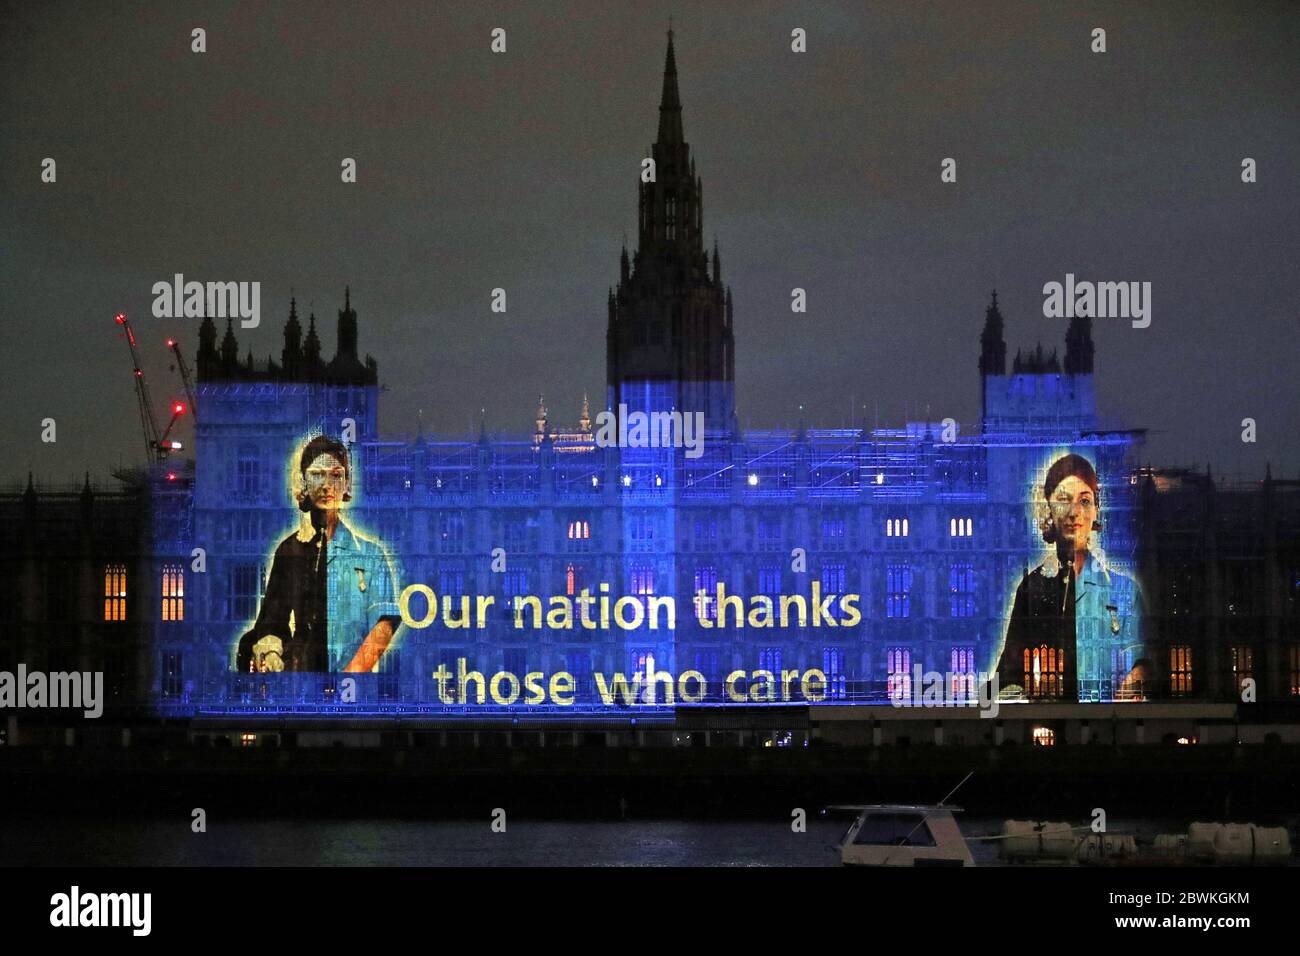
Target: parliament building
[[930, 523]]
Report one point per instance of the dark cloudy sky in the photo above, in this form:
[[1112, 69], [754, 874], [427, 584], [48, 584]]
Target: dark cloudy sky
[[820, 170]]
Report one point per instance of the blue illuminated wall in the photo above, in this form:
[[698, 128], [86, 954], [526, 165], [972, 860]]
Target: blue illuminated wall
[[932, 534]]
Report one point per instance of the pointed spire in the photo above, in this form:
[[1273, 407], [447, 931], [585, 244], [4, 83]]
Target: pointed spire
[[347, 328], [291, 354], [541, 415], [229, 349], [1079, 349], [699, 202], [584, 419], [717, 262], [206, 361], [993, 348], [670, 103], [311, 362]]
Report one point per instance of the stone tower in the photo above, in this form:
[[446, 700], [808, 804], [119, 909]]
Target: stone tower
[[669, 342]]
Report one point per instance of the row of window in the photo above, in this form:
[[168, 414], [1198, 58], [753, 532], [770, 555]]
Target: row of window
[[447, 532], [173, 592], [1044, 669]]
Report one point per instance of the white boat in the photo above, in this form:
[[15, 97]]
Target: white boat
[[910, 835], [898, 834]]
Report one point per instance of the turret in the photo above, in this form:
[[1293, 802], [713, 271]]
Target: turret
[[291, 356], [311, 362], [229, 351], [347, 326], [993, 347], [208, 362], [1078, 346]]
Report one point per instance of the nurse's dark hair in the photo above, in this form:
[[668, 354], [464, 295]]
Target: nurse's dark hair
[[324, 445], [1066, 466], [321, 445]]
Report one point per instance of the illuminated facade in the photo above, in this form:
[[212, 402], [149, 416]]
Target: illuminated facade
[[930, 523]]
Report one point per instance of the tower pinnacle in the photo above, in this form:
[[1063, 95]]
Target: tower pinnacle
[[670, 102], [670, 318], [993, 347]]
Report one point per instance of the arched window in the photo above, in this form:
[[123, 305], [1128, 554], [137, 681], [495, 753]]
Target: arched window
[[898, 673], [173, 592], [115, 592], [1180, 670], [1044, 671]]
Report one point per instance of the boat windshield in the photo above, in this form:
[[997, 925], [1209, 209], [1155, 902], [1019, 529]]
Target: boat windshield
[[894, 829]]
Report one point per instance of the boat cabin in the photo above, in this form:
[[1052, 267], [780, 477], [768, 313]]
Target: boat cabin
[[903, 835]]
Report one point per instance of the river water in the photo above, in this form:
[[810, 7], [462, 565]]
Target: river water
[[92, 841]]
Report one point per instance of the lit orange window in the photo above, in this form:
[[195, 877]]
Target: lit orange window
[[1044, 671], [115, 592], [1180, 669], [173, 592]]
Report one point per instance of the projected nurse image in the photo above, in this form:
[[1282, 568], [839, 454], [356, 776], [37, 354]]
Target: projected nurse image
[[330, 602], [1074, 632]]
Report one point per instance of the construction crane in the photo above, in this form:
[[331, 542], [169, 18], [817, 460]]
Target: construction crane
[[157, 445], [185, 377]]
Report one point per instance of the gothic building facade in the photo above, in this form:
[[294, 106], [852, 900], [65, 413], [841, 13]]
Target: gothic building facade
[[930, 523]]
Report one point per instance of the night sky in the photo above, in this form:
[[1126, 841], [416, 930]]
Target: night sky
[[519, 170]]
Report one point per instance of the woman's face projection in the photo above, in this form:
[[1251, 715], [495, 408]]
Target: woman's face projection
[[1074, 509], [326, 481]]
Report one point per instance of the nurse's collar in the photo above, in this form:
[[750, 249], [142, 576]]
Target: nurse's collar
[[1096, 563], [306, 532]]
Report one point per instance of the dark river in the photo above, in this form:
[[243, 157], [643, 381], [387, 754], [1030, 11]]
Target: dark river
[[89, 841]]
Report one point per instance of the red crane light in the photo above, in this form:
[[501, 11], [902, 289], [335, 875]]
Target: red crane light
[[178, 408]]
